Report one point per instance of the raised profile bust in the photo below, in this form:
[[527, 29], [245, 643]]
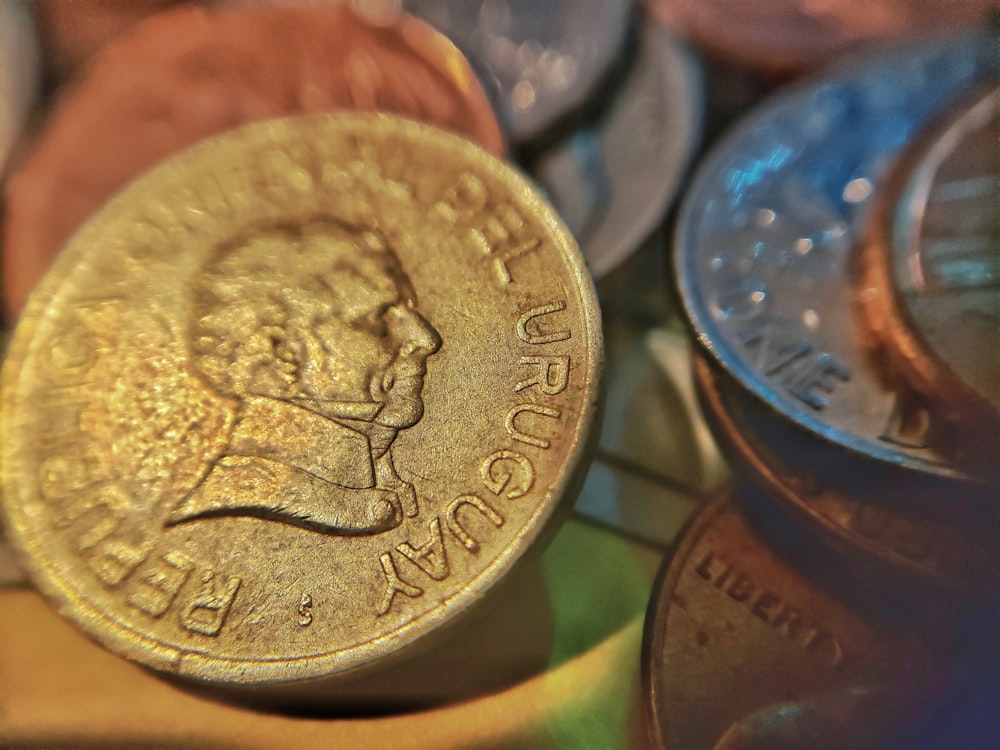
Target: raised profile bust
[[313, 330]]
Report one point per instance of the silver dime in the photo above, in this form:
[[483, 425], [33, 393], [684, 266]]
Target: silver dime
[[767, 231], [612, 180], [547, 56], [19, 72]]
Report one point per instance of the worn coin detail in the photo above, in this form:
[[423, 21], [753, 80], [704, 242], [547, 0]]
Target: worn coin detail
[[930, 288], [741, 650], [766, 235], [297, 398], [216, 70]]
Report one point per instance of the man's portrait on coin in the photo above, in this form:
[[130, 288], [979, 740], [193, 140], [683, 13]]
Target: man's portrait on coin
[[312, 330]]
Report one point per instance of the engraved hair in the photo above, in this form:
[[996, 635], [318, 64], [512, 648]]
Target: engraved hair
[[266, 282]]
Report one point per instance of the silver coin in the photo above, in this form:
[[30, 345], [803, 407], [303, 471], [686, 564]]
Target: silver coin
[[20, 72], [612, 180], [547, 56], [766, 235]]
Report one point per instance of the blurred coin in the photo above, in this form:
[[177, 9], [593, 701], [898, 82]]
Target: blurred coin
[[190, 73], [903, 526], [19, 72], [766, 233], [293, 401], [73, 32], [613, 178], [930, 288], [797, 34], [547, 56], [742, 651]]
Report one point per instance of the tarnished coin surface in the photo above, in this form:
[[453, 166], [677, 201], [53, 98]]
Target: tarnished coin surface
[[190, 73], [796, 34], [19, 72], [930, 288], [741, 651], [297, 398], [547, 56], [906, 527], [613, 178], [766, 235]]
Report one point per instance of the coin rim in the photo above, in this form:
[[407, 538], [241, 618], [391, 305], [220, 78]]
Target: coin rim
[[685, 251]]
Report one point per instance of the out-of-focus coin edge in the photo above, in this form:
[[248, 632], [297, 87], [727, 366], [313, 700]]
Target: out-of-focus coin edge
[[906, 358]]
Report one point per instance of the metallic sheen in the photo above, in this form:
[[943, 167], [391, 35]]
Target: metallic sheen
[[298, 398], [930, 289]]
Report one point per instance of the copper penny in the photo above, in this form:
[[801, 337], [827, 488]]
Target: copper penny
[[190, 73], [294, 404], [887, 521], [742, 651], [930, 280]]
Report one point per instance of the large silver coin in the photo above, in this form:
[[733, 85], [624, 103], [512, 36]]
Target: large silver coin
[[613, 180], [19, 72], [766, 235], [547, 56]]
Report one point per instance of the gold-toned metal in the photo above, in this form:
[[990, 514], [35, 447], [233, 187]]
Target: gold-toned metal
[[742, 651], [298, 398], [884, 522], [190, 73], [930, 268]]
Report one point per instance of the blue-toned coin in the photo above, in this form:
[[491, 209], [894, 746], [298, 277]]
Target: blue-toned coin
[[547, 56], [768, 231]]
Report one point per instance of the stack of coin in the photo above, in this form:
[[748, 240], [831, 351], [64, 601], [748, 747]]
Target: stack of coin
[[849, 481], [234, 343], [232, 347]]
